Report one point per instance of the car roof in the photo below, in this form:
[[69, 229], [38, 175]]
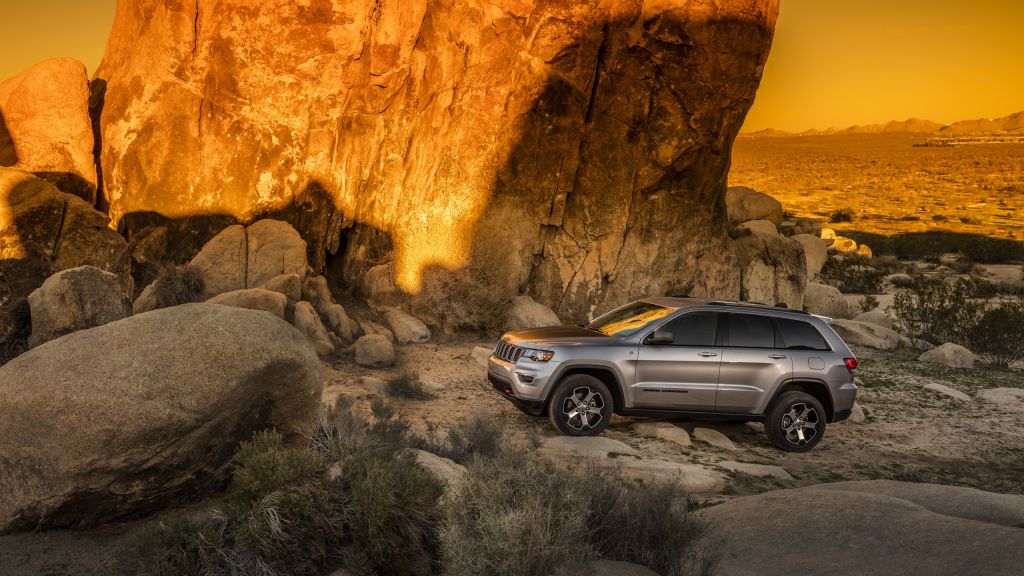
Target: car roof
[[681, 302]]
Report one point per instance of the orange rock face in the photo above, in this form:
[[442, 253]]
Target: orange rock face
[[573, 151]]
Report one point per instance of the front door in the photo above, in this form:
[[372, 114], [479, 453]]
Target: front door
[[682, 375], [752, 363]]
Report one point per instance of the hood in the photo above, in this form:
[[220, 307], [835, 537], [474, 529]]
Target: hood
[[555, 335]]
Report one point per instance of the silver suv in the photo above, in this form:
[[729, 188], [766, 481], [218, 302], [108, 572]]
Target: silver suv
[[683, 357]]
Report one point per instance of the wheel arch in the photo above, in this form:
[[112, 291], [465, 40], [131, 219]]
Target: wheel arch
[[606, 375], [815, 388]]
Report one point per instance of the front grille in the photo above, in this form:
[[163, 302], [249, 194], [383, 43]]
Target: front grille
[[508, 352]]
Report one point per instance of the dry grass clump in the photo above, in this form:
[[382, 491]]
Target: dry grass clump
[[409, 386], [479, 437]]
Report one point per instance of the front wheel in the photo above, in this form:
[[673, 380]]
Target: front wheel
[[795, 422], [580, 406]]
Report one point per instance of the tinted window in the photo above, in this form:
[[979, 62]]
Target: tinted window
[[694, 329], [749, 331], [629, 320], [798, 335]]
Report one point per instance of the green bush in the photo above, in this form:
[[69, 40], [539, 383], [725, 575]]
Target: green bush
[[853, 274], [178, 285], [407, 385], [998, 336], [520, 516], [938, 311], [480, 436]]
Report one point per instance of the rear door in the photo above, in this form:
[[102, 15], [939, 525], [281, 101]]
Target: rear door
[[752, 362], [682, 375]]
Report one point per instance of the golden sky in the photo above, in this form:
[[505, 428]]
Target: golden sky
[[834, 62]]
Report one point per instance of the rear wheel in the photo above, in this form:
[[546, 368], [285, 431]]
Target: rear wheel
[[580, 406], [795, 422]]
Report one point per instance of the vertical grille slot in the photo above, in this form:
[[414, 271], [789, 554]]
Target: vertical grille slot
[[508, 352]]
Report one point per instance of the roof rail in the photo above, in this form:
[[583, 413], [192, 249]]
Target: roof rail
[[781, 305]]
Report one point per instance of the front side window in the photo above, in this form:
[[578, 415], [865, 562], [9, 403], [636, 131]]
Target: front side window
[[798, 335], [694, 329], [750, 331], [630, 319]]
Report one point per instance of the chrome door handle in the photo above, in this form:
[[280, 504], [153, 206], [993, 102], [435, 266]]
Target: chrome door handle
[[706, 354], [777, 356]]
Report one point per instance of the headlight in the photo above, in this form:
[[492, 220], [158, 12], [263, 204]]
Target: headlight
[[538, 355]]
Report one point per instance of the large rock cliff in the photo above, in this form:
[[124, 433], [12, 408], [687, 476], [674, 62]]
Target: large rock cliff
[[576, 152]]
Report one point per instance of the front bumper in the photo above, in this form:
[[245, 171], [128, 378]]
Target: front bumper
[[504, 388], [526, 382]]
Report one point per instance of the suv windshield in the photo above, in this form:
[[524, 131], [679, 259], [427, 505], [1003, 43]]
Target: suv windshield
[[629, 320]]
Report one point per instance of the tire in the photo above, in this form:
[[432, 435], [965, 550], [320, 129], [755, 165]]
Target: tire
[[795, 422], [576, 392]]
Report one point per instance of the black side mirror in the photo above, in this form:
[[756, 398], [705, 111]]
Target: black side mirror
[[661, 337]]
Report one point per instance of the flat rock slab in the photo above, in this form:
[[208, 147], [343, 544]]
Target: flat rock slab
[[593, 446], [714, 438], [691, 478], [947, 391], [663, 430], [759, 470], [1010, 398], [874, 527]]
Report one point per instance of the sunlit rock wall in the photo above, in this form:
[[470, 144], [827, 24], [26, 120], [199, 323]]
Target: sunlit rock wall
[[573, 151]]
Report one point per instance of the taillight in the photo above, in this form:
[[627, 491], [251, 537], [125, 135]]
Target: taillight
[[851, 363]]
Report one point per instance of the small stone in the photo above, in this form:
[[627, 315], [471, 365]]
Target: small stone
[[407, 328], [759, 470], [857, 414], [714, 438], [374, 351], [947, 391], [949, 354]]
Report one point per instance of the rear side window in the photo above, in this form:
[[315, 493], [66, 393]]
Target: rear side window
[[798, 335], [749, 331], [694, 329]]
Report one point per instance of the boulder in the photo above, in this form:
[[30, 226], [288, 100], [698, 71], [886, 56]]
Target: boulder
[[308, 323], [864, 250], [815, 253], [876, 317], [45, 126], [452, 474], [810, 226], [900, 280], [315, 290], [253, 299], [760, 227], [406, 328], [288, 284], [378, 286], [843, 245], [146, 301], [374, 351], [527, 313], [949, 354], [826, 300], [928, 529], [868, 334], [744, 204], [663, 430], [222, 262], [714, 438], [773, 270], [75, 299], [828, 234], [454, 139], [126, 418], [273, 248], [43, 231], [947, 391], [371, 327]]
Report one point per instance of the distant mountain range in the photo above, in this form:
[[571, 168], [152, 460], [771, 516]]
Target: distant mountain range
[[1012, 124]]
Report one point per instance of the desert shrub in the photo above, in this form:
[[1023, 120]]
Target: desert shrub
[[923, 245], [842, 215], [178, 545], [178, 285], [264, 465], [18, 331], [938, 311], [480, 436], [868, 303], [407, 385], [963, 264], [853, 274], [519, 515], [998, 336]]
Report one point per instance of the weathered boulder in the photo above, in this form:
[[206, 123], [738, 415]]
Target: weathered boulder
[[827, 300], [315, 290], [574, 151], [868, 334], [773, 270], [760, 227], [744, 204], [371, 327], [407, 328], [137, 414], [374, 351], [308, 323], [42, 231], [663, 430], [288, 284], [453, 475], [815, 253], [876, 316], [378, 286], [253, 299], [528, 313], [928, 529], [75, 299], [146, 301], [45, 126], [714, 438], [864, 250], [843, 245], [239, 257], [949, 354]]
